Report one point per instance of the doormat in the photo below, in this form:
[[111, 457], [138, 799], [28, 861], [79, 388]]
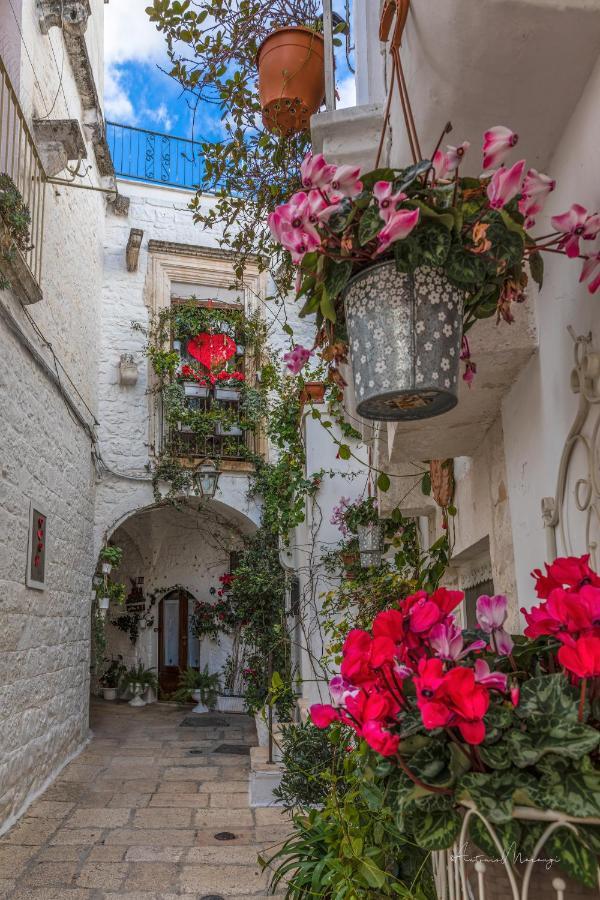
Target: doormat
[[233, 749], [204, 721]]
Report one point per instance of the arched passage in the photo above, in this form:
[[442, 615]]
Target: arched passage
[[173, 555]]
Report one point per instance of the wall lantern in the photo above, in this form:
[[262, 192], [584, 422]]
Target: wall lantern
[[128, 370], [205, 479]]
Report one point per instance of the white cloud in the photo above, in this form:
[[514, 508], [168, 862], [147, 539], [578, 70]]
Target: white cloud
[[160, 116], [117, 104], [347, 92], [129, 35]]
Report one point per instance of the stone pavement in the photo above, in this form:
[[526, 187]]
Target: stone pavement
[[134, 817]]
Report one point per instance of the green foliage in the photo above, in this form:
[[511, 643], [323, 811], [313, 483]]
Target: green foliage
[[312, 761], [15, 216], [113, 673], [191, 680], [212, 46], [112, 555], [352, 848], [140, 675]]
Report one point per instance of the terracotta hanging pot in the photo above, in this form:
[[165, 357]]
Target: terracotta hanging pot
[[441, 472], [313, 391], [291, 79]]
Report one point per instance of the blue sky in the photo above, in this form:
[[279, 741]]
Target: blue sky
[[138, 93]]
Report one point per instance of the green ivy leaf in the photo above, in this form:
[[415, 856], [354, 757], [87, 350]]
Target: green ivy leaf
[[327, 306], [548, 695], [573, 856], [370, 225], [406, 254], [383, 482], [344, 451], [434, 243], [426, 484], [337, 277], [465, 268], [438, 830], [536, 267]]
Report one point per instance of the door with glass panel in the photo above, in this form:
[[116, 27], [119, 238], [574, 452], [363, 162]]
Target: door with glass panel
[[178, 649]]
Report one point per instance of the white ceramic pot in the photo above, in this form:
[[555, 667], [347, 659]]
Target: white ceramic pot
[[230, 704], [106, 568], [109, 693], [136, 700], [200, 706], [103, 602]]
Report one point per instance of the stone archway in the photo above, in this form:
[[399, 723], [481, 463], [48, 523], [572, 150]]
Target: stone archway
[[176, 550]]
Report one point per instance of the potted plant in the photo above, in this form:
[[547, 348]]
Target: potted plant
[[401, 263], [109, 557], [291, 78], [139, 679], [488, 742], [198, 686], [111, 678], [312, 392]]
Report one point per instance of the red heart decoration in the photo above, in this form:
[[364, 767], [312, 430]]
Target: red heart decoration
[[211, 350]]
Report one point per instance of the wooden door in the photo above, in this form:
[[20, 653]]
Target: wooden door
[[177, 648]]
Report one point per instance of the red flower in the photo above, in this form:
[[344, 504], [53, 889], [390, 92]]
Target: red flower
[[565, 614], [583, 658], [324, 715], [571, 573], [379, 739], [452, 698]]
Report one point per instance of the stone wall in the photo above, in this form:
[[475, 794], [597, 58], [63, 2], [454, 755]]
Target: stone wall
[[45, 454]]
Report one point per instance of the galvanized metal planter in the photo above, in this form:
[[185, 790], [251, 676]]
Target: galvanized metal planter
[[405, 334]]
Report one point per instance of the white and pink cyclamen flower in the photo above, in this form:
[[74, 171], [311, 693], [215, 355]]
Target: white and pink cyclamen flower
[[576, 225], [446, 162], [505, 185], [491, 615], [387, 200], [398, 227], [590, 273], [535, 191], [447, 641], [497, 144]]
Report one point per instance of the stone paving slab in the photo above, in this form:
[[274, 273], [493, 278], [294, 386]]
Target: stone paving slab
[[134, 817]]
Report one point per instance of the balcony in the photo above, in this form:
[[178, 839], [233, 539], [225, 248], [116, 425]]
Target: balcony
[[150, 156], [20, 266]]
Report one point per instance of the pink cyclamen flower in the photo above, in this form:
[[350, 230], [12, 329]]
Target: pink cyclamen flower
[[495, 681], [299, 243], [447, 642], [505, 184], [537, 186], [446, 162], [515, 693], [339, 689], [386, 200], [315, 172], [470, 372], [491, 616], [297, 358], [397, 228], [591, 272], [575, 225], [323, 715], [497, 144], [346, 183]]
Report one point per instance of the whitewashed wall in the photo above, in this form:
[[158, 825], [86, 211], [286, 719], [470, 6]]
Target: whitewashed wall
[[45, 456]]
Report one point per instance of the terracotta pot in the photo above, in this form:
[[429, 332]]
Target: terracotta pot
[[313, 391], [291, 79]]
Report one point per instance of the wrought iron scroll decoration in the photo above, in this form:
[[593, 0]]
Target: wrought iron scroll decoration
[[585, 381]]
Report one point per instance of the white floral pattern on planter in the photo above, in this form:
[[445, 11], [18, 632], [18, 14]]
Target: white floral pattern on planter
[[400, 341]]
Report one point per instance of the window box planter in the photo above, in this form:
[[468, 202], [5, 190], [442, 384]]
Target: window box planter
[[291, 79], [405, 334], [229, 394], [231, 703], [192, 389], [231, 431]]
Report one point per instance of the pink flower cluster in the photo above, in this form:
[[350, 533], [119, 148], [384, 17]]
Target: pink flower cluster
[[297, 358], [419, 640], [534, 187]]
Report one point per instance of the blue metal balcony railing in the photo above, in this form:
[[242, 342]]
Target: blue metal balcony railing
[[151, 156]]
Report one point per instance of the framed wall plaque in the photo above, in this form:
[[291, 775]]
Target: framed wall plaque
[[37, 547]]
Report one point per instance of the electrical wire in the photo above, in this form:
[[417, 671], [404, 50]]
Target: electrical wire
[[28, 55]]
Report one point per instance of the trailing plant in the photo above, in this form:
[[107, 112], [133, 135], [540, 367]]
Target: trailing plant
[[427, 215], [130, 624], [98, 635], [481, 717], [16, 220], [191, 680], [112, 555]]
